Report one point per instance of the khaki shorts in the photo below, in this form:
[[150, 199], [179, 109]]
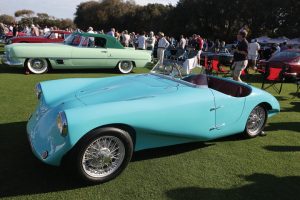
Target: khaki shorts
[[239, 67]]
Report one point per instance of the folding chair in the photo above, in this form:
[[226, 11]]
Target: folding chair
[[273, 76], [206, 65], [217, 69]]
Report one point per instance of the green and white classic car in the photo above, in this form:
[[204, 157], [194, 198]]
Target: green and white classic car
[[79, 51]]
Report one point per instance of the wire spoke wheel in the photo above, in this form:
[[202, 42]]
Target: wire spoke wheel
[[256, 121], [103, 156]]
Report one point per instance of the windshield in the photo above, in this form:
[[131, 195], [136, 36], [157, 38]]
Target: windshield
[[47, 34], [285, 55], [184, 72], [73, 40]]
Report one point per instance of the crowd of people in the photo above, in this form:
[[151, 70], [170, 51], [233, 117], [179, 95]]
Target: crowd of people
[[33, 30], [245, 54]]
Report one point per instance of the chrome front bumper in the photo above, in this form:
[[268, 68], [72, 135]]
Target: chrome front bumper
[[6, 61]]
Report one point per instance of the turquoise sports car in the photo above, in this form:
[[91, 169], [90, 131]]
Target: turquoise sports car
[[97, 123], [79, 51]]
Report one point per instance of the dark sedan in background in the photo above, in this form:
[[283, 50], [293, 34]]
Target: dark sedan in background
[[289, 59]]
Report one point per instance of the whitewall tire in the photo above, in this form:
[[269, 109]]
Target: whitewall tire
[[125, 67], [37, 65]]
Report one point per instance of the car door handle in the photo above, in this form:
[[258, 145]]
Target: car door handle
[[103, 51], [216, 108]]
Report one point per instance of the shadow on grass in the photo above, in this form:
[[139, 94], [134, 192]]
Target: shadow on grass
[[20, 70], [261, 187], [283, 126], [283, 149], [167, 151], [21, 173], [295, 107], [252, 78]]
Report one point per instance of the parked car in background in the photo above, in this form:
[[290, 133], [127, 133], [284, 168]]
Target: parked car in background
[[79, 51], [97, 123], [6, 38], [223, 56], [57, 36], [289, 59]]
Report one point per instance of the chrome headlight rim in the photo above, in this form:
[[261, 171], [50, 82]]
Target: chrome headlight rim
[[38, 90], [62, 123]]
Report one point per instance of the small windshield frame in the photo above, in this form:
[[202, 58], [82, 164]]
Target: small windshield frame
[[176, 71]]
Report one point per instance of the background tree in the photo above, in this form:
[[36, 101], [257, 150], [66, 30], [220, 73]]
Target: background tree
[[7, 19]]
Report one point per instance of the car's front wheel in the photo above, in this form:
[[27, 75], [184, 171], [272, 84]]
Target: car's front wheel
[[104, 154], [37, 65], [256, 121], [125, 67]]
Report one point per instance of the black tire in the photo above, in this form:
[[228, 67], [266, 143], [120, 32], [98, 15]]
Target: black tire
[[87, 170], [256, 122]]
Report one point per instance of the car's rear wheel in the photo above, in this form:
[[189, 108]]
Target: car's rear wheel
[[125, 67], [37, 65], [256, 121], [103, 154]]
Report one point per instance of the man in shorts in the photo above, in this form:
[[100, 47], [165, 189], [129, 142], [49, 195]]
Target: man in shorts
[[240, 56]]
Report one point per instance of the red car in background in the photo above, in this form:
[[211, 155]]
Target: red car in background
[[289, 59], [50, 37]]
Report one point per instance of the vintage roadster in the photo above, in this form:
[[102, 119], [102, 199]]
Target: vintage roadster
[[97, 123], [79, 51]]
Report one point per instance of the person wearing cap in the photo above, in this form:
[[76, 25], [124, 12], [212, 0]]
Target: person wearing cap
[[253, 49], [240, 56], [90, 30], [163, 44]]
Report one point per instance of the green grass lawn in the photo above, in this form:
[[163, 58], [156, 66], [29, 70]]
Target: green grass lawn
[[233, 168]]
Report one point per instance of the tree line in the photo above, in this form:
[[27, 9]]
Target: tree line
[[210, 18], [28, 17]]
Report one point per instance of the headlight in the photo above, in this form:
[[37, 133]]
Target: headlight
[[38, 90], [62, 123]]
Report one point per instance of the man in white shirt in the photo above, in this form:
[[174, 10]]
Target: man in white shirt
[[46, 30], [182, 42], [112, 32], [125, 38], [253, 49], [90, 30], [142, 41], [151, 41], [163, 44]]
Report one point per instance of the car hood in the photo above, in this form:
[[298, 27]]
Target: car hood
[[127, 88], [89, 91]]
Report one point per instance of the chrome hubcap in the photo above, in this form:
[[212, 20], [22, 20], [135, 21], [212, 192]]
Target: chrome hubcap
[[103, 156], [37, 64], [126, 66], [256, 120]]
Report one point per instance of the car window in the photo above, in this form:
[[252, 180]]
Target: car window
[[53, 36], [285, 55], [66, 35], [94, 42]]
